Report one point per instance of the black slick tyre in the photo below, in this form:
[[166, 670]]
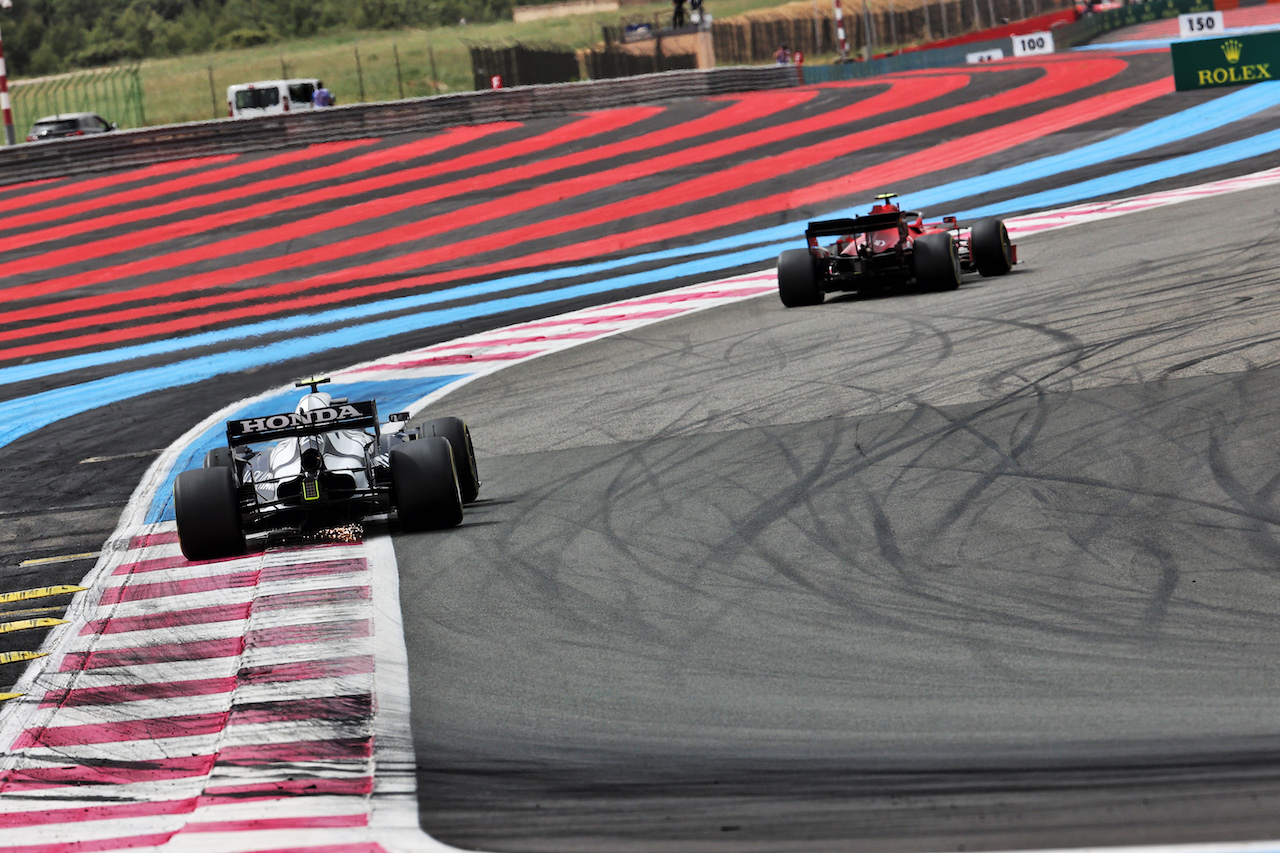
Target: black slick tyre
[[208, 514], [464, 454], [797, 279], [989, 247], [937, 263], [424, 484]]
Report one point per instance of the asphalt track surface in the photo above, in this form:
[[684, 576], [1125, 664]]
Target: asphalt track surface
[[846, 593]]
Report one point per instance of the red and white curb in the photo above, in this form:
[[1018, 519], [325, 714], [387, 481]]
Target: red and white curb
[[261, 703]]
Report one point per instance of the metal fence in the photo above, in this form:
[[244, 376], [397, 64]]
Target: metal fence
[[756, 41], [114, 93]]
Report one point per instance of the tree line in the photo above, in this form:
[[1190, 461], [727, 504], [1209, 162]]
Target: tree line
[[53, 36]]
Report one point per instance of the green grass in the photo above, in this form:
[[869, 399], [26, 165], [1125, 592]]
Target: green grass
[[179, 90]]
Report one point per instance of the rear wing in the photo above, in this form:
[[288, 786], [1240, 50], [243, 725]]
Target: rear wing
[[360, 415], [856, 225]]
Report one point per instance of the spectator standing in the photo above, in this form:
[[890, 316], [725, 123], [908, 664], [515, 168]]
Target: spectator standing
[[321, 97], [782, 56], [677, 13], [695, 12]]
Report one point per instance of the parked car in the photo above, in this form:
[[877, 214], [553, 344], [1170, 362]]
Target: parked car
[[69, 124], [269, 97]]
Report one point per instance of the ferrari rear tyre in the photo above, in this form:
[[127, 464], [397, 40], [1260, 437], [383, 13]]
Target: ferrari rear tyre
[[424, 484], [219, 457], [989, 247], [464, 454], [797, 279], [208, 514], [937, 263]]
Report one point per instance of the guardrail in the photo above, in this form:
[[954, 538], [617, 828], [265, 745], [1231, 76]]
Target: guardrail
[[131, 148]]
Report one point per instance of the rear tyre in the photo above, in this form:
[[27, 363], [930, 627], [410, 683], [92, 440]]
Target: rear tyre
[[989, 247], [464, 454], [208, 514], [937, 263], [424, 484], [797, 279]]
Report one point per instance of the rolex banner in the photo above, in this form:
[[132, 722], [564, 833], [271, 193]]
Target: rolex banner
[[1228, 61]]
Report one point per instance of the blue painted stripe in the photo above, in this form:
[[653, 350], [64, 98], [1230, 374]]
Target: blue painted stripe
[[1199, 119], [1188, 164]]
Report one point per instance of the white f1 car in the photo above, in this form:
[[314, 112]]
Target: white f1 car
[[328, 462]]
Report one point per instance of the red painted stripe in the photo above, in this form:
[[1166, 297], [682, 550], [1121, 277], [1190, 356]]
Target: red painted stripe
[[159, 728], [1053, 84], [87, 187], [145, 655], [48, 817], [312, 598], [602, 318], [313, 787], [168, 619], [105, 773], [117, 693], [154, 565], [318, 569], [313, 822], [331, 709], [257, 755], [446, 360], [593, 124], [138, 197], [306, 670], [165, 589], [93, 845], [322, 632], [526, 339], [749, 110], [146, 540]]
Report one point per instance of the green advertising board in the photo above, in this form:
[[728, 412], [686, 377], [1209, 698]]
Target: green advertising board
[[1228, 61]]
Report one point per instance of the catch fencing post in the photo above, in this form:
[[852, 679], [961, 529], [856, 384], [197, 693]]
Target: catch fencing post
[[10, 137], [844, 46]]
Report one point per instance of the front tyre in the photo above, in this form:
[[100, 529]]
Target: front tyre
[[464, 454], [937, 261], [424, 484], [797, 279], [208, 514], [989, 247]]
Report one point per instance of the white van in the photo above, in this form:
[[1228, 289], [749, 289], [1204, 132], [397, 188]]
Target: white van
[[269, 97]]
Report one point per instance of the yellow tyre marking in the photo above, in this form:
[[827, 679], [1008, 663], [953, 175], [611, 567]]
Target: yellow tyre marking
[[4, 697]]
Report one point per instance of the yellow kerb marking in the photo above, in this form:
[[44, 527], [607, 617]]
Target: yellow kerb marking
[[65, 558], [39, 592], [5, 697], [19, 657], [29, 624]]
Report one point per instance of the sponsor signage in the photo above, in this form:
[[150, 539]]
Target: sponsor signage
[[343, 416], [1206, 62], [1200, 24], [1033, 44], [984, 56]]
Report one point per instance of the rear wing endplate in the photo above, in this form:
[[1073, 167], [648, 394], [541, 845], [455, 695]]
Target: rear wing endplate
[[360, 415]]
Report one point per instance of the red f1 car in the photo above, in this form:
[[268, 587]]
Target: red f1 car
[[891, 249]]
